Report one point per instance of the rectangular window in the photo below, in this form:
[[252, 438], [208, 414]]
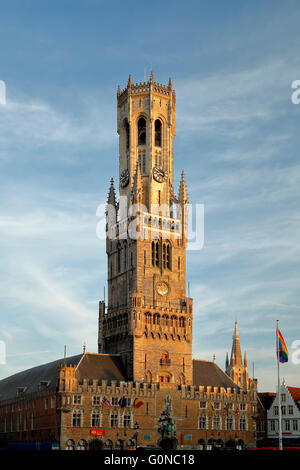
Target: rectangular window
[[217, 405], [272, 425], [216, 423], [283, 398], [114, 401], [295, 425], [202, 422], [96, 400], [76, 419], [287, 425], [96, 420], [243, 406], [242, 424], [77, 399], [283, 410], [114, 420], [291, 409], [202, 404], [229, 424], [127, 421], [276, 410]]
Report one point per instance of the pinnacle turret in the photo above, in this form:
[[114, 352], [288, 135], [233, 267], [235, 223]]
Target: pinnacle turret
[[137, 187], [182, 193], [226, 361], [111, 199]]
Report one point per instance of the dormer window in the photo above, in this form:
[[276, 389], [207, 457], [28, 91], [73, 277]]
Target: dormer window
[[44, 383]]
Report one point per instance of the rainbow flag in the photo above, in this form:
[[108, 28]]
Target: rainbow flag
[[283, 352]]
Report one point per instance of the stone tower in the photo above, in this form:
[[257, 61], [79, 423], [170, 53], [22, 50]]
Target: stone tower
[[237, 367], [148, 318]]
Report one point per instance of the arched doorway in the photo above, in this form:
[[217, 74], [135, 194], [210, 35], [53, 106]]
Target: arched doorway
[[240, 444], [211, 444], [108, 445], [230, 444], [219, 444], [95, 444], [82, 444], [201, 444], [119, 444], [70, 444], [130, 444]]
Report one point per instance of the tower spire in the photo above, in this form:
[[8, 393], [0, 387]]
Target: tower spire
[[236, 347], [182, 193]]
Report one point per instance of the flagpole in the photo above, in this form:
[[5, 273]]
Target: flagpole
[[279, 394]]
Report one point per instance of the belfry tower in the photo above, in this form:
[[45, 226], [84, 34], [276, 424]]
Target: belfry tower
[[148, 318]]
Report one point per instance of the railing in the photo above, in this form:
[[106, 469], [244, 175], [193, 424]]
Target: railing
[[165, 362]]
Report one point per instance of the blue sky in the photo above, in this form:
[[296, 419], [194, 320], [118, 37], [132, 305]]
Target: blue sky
[[237, 138]]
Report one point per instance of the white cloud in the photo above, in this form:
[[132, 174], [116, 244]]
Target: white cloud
[[29, 123]]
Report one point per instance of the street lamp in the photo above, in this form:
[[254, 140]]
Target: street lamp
[[136, 428], [166, 428]]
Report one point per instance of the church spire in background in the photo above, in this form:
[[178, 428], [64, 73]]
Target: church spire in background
[[236, 347]]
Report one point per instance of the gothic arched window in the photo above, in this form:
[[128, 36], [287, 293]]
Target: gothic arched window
[[119, 258], [127, 134], [157, 131], [155, 253], [125, 255], [142, 131], [166, 255]]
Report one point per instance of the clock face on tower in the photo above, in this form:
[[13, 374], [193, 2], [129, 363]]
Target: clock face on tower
[[124, 178], [159, 174], [162, 288]]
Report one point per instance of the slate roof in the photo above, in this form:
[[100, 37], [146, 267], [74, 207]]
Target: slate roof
[[100, 366], [209, 373], [266, 399], [88, 366]]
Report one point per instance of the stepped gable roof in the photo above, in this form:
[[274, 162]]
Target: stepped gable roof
[[295, 392], [88, 366], [30, 380], [208, 373]]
